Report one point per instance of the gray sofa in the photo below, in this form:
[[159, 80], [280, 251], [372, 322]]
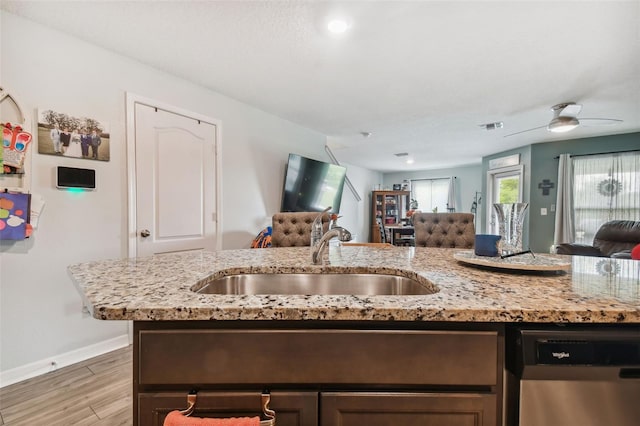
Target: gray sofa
[[614, 239]]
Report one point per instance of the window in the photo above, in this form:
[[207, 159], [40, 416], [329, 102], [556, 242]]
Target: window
[[504, 186], [605, 187], [431, 194], [507, 189]]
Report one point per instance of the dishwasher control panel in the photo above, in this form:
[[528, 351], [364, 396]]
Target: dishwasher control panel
[[587, 352], [580, 347]]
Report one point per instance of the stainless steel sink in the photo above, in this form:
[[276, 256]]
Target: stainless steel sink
[[321, 284]]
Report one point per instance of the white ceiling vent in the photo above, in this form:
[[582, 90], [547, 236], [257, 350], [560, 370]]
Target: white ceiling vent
[[493, 126]]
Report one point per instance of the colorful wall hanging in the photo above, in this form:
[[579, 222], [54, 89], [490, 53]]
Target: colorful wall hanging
[[14, 216], [15, 142]]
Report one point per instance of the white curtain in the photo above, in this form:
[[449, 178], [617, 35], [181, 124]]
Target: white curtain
[[430, 194], [563, 232], [451, 196], [605, 187]]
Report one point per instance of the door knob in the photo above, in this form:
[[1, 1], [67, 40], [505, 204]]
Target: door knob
[[145, 233]]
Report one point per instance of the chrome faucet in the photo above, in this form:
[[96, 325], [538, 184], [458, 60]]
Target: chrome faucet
[[320, 241], [316, 229]]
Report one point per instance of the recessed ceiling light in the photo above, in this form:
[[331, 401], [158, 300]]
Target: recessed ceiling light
[[338, 26], [409, 160]]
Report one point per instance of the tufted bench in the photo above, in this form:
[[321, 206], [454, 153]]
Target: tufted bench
[[294, 229], [444, 230]]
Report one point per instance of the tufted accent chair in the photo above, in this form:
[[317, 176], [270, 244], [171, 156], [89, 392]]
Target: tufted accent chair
[[294, 229], [444, 230]]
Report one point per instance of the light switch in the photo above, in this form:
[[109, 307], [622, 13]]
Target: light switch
[[553, 208], [543, 211]]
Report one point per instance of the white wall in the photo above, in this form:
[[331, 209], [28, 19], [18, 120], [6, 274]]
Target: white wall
[[469, 180], [356, 216], [40, 310]]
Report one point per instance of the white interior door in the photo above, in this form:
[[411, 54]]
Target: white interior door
[[504, 186], [175, 201]]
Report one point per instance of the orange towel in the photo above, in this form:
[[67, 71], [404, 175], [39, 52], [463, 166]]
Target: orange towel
[[174, 418]]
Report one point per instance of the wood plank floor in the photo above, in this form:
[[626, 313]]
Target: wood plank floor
[[93, 392]]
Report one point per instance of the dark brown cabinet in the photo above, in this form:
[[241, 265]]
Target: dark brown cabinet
[[346, 373], [407, 409], [292, 408], [388, 208], [338, 408]]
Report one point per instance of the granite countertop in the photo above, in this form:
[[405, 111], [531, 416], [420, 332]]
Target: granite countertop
[[594, 290]]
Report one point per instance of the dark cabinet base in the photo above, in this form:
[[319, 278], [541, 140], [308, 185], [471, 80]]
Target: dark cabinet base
[[321, 373]]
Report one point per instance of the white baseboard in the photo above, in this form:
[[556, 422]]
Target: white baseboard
[[37, 368]]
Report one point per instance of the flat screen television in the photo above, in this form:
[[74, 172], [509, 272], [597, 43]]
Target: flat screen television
[[312, 185]]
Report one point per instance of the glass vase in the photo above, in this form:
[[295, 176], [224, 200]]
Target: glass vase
[[510, 224]]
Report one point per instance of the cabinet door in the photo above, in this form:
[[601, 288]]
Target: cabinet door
[[388, 207], [377, 218], [407, 409], [395, 207], [292, 408]]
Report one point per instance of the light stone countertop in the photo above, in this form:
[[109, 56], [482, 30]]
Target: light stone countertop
[[594, 290]]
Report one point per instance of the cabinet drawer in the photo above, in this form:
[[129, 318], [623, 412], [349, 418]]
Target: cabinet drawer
[[408, 409], [291, 408], [317, 357]]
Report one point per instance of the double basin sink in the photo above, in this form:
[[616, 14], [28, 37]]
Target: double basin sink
[[360, 284]]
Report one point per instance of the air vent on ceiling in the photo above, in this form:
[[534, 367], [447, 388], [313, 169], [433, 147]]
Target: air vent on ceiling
[[493, 126], [401, 154]]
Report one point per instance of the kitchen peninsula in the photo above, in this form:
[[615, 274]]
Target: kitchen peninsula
[[423, 354]]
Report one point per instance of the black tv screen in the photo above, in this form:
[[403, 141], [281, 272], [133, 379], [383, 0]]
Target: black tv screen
[[311, 185]]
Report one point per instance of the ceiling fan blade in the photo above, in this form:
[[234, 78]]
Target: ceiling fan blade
[[524, 131], [599, 121], [571, 110]]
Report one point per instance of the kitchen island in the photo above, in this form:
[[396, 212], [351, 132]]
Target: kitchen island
[[159, 288], [347, 359]]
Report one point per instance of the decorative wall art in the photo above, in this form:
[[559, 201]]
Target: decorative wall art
[[70, 136], [546, 185], [15, 142], [14, 216], [609, 187]]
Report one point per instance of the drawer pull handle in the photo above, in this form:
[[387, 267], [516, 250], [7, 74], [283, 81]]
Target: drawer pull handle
[[268, 414], [192, 396]]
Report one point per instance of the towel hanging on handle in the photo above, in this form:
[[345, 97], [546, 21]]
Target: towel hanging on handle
[[175, 418], [181, 418]]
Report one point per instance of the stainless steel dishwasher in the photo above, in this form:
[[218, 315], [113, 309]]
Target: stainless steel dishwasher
[[580, 377]]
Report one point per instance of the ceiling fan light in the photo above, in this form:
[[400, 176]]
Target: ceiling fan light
[[563, 124], [338, 26]]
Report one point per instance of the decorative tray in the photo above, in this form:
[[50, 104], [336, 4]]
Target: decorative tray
[[525, 262]]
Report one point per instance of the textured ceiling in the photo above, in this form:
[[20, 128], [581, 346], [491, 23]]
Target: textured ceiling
[[421, 76]]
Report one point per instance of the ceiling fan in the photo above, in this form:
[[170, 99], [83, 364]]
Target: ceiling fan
[[565, 118]]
